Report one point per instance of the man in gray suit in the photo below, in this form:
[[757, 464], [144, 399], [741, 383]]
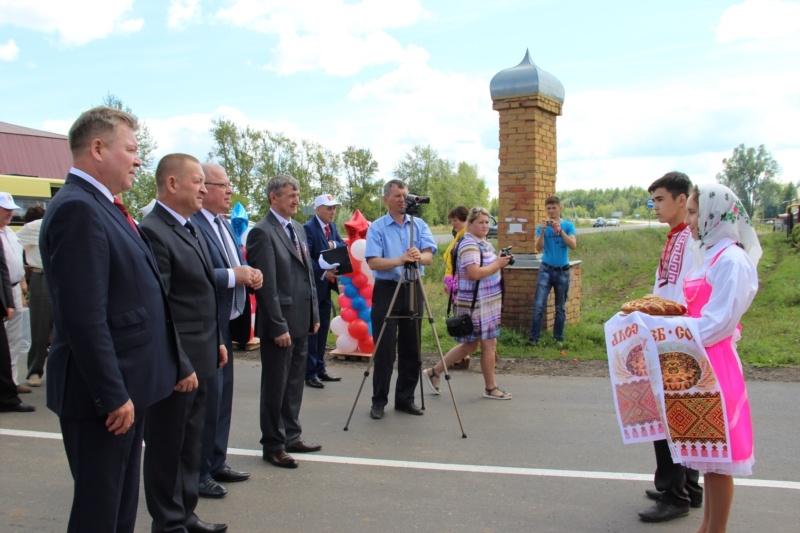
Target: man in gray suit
[[287, 313], [174, 427]]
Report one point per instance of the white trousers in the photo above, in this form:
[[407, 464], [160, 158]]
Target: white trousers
[[17, 343]]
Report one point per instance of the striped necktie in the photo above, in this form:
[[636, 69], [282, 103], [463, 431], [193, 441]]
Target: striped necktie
[[232, 256]]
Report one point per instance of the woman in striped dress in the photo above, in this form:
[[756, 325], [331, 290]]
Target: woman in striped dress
[[477, 261]]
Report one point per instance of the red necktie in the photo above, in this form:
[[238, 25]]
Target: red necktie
[[119, 205], [327, 232]]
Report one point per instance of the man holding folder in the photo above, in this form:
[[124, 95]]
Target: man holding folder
[[321, 234]]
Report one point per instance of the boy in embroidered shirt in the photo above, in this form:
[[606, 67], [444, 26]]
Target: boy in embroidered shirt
[[676, 487]]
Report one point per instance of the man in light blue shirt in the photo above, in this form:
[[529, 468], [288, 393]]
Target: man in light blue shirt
[[389, 249], [556, 237]]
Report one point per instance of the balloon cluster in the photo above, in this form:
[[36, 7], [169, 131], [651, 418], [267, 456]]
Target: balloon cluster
[[353, 326]]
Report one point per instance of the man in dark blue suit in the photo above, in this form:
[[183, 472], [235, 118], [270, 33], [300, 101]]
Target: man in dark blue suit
[[114, 351], [322, 235], [232, 279]]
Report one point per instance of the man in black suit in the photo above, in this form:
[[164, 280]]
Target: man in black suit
[[174, 429], [114, 350], [9, 396], [287, 313], [322, 235], [232, 278]]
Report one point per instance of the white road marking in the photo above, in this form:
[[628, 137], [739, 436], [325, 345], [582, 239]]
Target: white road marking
[[446, 467]]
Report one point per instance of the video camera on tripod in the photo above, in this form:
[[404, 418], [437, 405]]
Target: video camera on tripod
[[413, 202]]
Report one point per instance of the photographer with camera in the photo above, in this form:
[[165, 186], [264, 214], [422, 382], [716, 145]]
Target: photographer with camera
[[388, 251], [477, 263], [556, 237]]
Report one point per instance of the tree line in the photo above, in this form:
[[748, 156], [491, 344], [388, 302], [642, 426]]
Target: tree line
[[251, 157]]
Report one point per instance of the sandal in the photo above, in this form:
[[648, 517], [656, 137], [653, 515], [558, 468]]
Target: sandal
[[496, 394], [433, 380]]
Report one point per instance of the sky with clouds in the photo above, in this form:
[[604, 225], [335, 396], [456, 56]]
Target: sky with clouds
[[650, 86]]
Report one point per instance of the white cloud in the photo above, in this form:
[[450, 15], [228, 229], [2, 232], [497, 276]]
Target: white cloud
[[759, 20], [74, 23], [9, 51], [57, 126], [330, 35], [182, 12], [191, 133]]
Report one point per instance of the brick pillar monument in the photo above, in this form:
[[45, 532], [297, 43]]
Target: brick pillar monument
[[528, 100]]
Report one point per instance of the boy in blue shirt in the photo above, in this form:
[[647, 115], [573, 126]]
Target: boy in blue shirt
[[556, 237]]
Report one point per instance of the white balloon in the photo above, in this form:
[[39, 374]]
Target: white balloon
[[358, 249], [367, 271], [339, 326], [346, 343]]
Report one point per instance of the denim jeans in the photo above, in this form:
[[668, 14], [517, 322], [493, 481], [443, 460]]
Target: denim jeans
[[559, 281]]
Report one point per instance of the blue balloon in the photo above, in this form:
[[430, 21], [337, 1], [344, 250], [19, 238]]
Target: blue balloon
[[369, 324], [365, 315], [345, 280], [358, 302], [351, 291]]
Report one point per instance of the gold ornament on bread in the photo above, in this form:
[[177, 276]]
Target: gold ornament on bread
[[654, 305], [679, 371], [635, 363]]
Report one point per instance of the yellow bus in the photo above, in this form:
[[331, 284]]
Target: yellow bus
[[28, 191]]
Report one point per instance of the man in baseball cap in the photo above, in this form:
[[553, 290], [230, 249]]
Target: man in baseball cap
[[12, 248], [322, 235], [7, 201]]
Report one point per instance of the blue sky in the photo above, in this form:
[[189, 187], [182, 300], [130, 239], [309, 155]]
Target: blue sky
[[650, 86]]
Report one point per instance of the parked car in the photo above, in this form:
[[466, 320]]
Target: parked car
[[612, 222], [599, 223], [492, 228]]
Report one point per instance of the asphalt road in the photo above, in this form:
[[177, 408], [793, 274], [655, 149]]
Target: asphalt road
[[550, 460]]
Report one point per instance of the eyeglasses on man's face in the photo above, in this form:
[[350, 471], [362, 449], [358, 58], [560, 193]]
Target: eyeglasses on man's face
[[221, 185]]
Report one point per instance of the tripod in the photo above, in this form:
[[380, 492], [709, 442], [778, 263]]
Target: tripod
[[414, 283]]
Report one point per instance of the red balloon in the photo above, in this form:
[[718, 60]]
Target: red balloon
[[349, 314], [356, 266], [360, 280], [369, 303], [344, 301], [358, 329], [366, 292], [366, 345]]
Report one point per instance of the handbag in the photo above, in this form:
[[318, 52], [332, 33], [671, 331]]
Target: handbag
[[461, 326]]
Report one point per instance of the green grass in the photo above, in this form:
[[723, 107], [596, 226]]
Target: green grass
[[619, 266]]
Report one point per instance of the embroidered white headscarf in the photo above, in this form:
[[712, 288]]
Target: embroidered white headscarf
[[721, 214]]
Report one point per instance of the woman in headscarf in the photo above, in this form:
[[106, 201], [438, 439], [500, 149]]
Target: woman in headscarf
[[718, 290]]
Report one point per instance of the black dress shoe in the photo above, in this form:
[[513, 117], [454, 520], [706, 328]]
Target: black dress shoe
[[328, 377], [211, 489], [280, 458], [410, 408], [229, 475], [301, 446], [661, 512], [205, 527], [21, 407], [376, 412], [653, 494], [315, 383]]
